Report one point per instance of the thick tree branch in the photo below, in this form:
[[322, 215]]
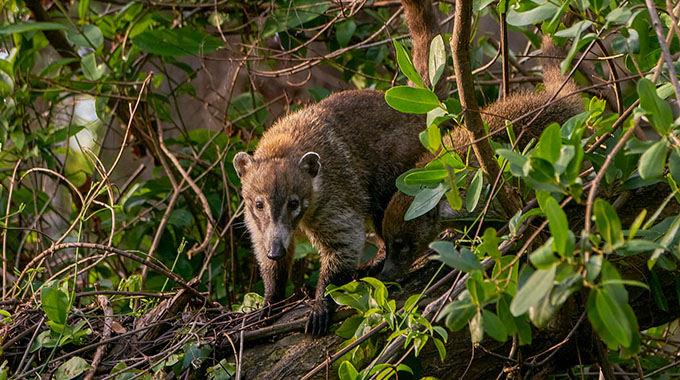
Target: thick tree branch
[[460, 42]]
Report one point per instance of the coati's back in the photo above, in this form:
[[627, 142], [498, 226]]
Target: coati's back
[[351, 147], [406, 240], [527, 102]]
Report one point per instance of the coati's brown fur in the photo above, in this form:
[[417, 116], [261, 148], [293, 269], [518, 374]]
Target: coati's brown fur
[[326, 170], [405, 241]]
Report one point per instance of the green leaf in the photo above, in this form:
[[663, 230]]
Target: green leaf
[[476, 328], [557, 222], [493, 326], [543, 12], [490, 244], [431, 137], [195, 354], [653, 161], [657, 291], [91, 70], [598, 323], [549, 144], [463, 260], [426, 177], [83, 6], [475, 288], [441, 349], [18, 138], [177, 42], [565, 288], [24, 27], [543, 257], [290, 14], [674, 164], [437, 59], [347, 371], [349, 327], [411, 100], [425, 201], [454, 199], [344, 31], [406, 65], [659, 111], [668, 237], [474, 191], [636, 224], [503, 310], [608, 223], [458, 314], [518, 163], [536, 287], [71, 369], [90, 37], [614, 318], [55, 304], [541, 312]]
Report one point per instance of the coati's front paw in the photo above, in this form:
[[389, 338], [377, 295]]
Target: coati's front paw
[[319, 319]]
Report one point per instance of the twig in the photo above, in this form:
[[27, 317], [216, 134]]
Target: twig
[[4, 235], [504, 51], [605, 165], [106, 334], [664, 46], [30, 343], [101, 247], [460, 42], [210, 227]]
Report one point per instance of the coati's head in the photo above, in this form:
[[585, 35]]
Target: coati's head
[[405, 241], [277, 193]]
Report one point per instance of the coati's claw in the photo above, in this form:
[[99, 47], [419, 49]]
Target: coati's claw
[[318, 321]]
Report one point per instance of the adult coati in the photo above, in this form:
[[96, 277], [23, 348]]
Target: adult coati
[[327, 169], [405, 241]]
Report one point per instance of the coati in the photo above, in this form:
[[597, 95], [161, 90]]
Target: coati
[[405, 241], [327, 169]]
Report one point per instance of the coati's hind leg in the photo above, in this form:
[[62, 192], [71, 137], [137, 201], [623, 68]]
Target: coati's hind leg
[[340, 248]]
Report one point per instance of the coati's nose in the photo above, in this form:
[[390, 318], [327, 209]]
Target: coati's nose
[[277, 252]]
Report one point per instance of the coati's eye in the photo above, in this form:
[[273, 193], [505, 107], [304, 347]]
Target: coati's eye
[[259, 205], [293, 204]]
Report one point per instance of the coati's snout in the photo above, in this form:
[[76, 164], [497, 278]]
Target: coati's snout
[[405, 241], [277, 251]]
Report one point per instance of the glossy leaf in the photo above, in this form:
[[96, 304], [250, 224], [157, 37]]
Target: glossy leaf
[[653, 161], [557, 222], [177, 42], [425, 201], [406, 65], [614, 318], [24, 27], [437, 59], [411, 100], [463, 259], [474, 191], [493, 326], [659, 111], [534, 289], [549, 144], [608, 223]]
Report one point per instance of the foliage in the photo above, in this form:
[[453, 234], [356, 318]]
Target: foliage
[[147, 82]]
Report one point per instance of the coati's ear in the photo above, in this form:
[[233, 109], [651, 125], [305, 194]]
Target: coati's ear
[[241, 162], [310, 163]]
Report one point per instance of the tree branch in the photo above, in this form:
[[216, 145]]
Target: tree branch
[[460, 42]]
